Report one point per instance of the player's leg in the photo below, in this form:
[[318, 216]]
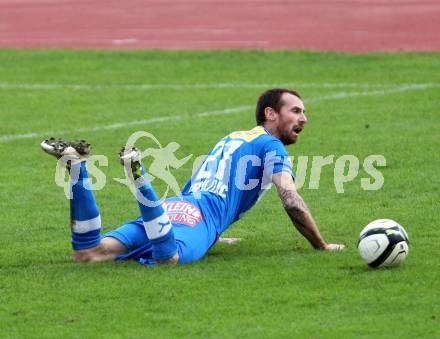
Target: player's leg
[[132, 234], [157, 225], [109, 249], [84, 212]]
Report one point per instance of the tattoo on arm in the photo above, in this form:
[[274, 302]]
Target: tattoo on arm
[[298, 211], [295, 206]]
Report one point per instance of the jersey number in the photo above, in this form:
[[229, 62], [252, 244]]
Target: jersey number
[[217, 161]]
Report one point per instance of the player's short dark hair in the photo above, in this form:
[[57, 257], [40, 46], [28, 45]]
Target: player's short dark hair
[[271, 98]]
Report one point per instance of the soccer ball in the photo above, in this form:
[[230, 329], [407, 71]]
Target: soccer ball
[[383, 243]]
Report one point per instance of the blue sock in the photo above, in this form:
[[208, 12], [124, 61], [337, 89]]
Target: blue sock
[[156, 222], [84, 213]]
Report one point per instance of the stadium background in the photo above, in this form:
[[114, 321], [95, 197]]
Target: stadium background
[[384, 100], [355, 26]]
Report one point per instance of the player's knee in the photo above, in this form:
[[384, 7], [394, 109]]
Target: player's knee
[[108, 250], [112, 246], [92, 256], [84, 255], [174, 260]]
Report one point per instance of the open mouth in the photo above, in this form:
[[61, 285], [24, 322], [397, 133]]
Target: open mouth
[[297, 130]]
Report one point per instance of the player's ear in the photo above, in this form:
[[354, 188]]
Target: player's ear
[[269, 114]]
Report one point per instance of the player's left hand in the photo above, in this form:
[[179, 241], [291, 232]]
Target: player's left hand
[[229, 241], [334, 247]]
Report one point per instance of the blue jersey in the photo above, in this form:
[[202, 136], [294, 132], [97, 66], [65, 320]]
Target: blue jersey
[[235, 174]]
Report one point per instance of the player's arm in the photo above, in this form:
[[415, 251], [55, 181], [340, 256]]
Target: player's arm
[[299, 213]]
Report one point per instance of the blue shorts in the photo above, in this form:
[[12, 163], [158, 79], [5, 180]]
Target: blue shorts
[[194, 236]]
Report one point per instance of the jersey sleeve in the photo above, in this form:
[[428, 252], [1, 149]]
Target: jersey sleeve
[[277, 159]]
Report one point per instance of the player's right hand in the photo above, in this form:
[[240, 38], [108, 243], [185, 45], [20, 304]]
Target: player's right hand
[[334, 247]]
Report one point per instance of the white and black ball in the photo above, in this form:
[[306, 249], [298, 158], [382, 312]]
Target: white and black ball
[[383, 243]]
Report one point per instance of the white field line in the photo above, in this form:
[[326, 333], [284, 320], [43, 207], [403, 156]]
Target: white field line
[[376, 92], [141, 122], [336, 96], [180, 87]]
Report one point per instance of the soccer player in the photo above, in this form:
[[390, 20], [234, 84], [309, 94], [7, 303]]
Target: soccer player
[[236, 173]]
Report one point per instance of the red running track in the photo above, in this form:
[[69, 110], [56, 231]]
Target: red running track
[[353, 26]]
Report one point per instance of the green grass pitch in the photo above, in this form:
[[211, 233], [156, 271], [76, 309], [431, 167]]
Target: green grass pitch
[[272, 284]]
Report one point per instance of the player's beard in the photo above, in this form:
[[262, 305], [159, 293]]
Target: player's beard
[[289, 138]]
